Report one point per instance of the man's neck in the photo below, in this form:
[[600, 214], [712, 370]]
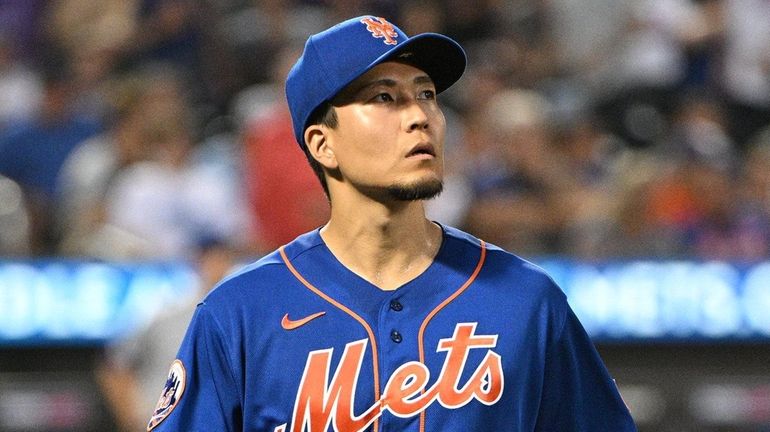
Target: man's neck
[[388, 245]]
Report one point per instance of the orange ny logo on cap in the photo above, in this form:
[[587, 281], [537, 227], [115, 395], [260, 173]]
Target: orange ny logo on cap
[[381, 28]]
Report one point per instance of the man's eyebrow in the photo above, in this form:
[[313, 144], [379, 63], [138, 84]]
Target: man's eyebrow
[[423, 79], [353, 92], [388, 82]]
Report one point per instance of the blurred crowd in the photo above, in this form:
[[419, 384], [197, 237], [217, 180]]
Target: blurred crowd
[[132, 129]]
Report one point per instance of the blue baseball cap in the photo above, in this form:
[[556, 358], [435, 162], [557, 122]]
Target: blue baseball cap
[[335, 57]]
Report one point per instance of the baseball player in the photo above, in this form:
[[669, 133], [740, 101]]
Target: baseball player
[[382, 320]]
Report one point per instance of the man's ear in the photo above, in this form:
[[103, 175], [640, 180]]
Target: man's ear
[[320, 146]]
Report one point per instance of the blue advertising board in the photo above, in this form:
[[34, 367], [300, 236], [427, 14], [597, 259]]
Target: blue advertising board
[[70, 302], [668, 300], [55, 302]]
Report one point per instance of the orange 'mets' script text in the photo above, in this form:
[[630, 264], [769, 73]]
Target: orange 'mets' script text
[[321, 403]]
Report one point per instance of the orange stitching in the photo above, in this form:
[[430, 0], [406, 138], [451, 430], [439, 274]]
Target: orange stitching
[[355, 316], [433, 313]]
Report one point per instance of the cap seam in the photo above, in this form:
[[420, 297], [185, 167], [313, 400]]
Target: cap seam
[[323, 81]]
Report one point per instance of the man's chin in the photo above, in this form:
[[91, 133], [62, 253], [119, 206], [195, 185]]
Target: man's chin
[[422, 190]]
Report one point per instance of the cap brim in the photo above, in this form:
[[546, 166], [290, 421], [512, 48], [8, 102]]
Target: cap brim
[[439, 56]]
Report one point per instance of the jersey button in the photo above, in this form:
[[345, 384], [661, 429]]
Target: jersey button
[[395, 336], [396, 306]]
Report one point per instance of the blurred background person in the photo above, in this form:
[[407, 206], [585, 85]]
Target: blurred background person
[[753, 200], [746, 67], [89, 172], [285, 199], [132, 368], [517, 185], [188, 34], [594, 159], [20, 86], [14, 220], [34, 151], [157, 207]]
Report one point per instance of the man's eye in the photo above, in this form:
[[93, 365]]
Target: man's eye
[[383, 97], [428, 94]]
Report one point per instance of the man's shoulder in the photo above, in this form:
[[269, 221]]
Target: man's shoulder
[[261, 277], [494, 255], [503, 268]]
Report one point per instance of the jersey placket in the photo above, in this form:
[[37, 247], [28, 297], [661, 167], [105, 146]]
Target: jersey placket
[[397, 330]]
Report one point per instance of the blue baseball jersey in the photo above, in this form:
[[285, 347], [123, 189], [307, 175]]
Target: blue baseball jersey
[[480, 341]]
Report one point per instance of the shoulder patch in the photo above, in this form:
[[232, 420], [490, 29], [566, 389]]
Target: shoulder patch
[[172, 393]]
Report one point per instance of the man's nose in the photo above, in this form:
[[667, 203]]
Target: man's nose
[[415, 117]]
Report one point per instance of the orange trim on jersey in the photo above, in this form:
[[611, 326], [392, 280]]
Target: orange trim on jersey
[[420, 344], [375, 364]]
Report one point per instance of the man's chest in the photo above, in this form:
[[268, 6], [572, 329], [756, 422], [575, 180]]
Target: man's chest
[[396, 368]]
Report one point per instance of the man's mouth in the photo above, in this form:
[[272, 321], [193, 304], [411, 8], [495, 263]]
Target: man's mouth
[[422, 150]]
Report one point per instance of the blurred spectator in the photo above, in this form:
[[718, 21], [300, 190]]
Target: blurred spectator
[[421, 16], [259, 31], [524, 29], [517, 188], [700, 131], [756, 175], [649, 65], [485, 76], [593, 160], [133, 368], [469, 21], [690, 202], [286, 199], [652, 49], [20, 87], [716, 231], [33, 153], [753, 201], [92, 167], [14, 223], [746, 64], [186, 33], [77, 25], [158, 207], [664, 207], [94, 36], [451, 206], [705, 49], [20, 21], [642, 104]]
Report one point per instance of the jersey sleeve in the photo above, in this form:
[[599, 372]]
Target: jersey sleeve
[[578, 393], [200, 393]]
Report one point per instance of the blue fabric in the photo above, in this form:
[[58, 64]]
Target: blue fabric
[[244, 371], [32, 154]]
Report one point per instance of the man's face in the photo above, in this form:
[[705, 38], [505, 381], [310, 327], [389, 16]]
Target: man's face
[[390, 137]]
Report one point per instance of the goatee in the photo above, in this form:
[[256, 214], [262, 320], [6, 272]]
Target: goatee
[[417, 191]]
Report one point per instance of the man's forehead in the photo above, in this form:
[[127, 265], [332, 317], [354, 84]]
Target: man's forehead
[[389, 73], [393, 69]]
